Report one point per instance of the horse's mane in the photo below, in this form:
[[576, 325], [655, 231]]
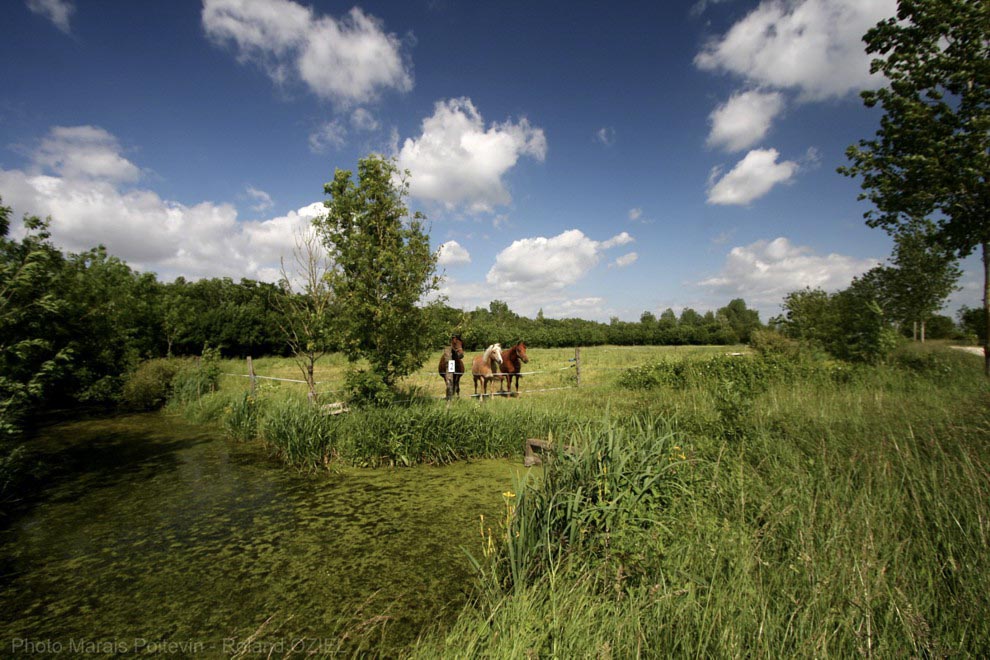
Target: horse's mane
[[494, 348]]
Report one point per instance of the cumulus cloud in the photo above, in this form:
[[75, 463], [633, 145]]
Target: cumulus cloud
[[331, 135], [744, 119], [58, 12], [84, 152], [751, 178], [812, 46], [765, 271], [624, 260], [348, 60], [90, 204], [457, 162], [263, 199], [606, 136], [453, 254], [549, 264]]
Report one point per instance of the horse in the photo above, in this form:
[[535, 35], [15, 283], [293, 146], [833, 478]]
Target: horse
[[511, 366], [486, 367], [452, 379]]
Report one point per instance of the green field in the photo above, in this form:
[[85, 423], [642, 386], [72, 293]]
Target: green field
[[714, 504]]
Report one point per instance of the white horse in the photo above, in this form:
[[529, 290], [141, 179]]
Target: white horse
[[487, 367]]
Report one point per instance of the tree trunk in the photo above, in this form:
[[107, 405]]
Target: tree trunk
[[914, 331], [922, 332], [986, 308]]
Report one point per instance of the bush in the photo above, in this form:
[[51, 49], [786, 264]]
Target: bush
[[366, 388], [197, 378], [770, 343], [150, 385]]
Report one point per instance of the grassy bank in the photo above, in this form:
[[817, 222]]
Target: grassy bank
[[813, 517], [714, 505]]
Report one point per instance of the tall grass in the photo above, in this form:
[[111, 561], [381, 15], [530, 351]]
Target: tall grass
[[852, 519]]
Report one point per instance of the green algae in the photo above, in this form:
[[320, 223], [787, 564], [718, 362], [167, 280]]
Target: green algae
[[153, 529]]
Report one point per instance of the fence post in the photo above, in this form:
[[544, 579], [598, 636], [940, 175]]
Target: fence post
[[254, 378], [577, 364]]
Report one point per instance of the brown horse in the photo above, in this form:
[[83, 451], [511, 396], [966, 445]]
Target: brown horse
[[453, 352], [511, 364], [485, 368]]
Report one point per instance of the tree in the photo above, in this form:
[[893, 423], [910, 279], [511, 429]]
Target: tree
[[30, 308], [383, 268], [921, 276], [742, 320], [305, 306], [931, 154]]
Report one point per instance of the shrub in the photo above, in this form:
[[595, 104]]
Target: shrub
[[150, 385], [366, 388], [197, 378]]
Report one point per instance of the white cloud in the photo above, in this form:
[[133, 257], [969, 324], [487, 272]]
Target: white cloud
[[751, 178], [91, 205], [264, 199], [57, 11], [84, 152], [458, 162], [812, 46], [363, 120], [606, 136], [548, 264], [453, 254], [348, 60], [624, 260], [635, 214], [744, 119], [765, 271], [619, 239], [331, 135]]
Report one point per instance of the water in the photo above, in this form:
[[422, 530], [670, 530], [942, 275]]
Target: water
[[157, 535]]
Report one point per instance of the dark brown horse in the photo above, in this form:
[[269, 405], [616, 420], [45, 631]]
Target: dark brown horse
[[511, 366], [453, 352]]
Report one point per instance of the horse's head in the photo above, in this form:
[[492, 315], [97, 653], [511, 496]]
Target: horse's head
[[521, 351], [496, 352], [456, 348]]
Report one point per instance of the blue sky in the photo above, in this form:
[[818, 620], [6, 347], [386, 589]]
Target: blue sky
[[590, 162]]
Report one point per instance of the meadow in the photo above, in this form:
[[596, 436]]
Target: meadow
[[766, 504]]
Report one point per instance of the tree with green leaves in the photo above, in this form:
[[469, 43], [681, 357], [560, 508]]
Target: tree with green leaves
[[31, 356], [384, 268], [931, 156], [920, 277]]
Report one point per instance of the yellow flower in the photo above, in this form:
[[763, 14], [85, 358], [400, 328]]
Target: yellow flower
[[508, 494]]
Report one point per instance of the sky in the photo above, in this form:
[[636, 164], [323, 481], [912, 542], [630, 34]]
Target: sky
[[591, 162]]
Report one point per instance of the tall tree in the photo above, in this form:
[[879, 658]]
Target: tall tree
[[921, 275], [931, 155], [384, 268]]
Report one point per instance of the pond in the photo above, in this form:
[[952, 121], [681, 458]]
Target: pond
[[158, 535]]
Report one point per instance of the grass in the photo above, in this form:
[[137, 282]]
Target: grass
[[717, 507], [832, 520]]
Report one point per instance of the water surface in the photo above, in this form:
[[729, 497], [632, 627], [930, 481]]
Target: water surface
[[157, 530]]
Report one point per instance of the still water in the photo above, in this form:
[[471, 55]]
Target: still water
[[157, 535]]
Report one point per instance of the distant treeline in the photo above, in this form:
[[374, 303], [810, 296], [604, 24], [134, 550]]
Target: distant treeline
[[731, 324]]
